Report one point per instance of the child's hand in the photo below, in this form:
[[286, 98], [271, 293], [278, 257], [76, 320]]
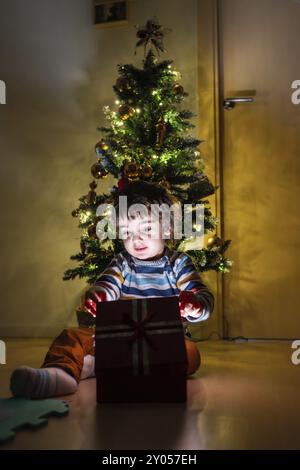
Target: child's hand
[[189, 305], [91, 298]]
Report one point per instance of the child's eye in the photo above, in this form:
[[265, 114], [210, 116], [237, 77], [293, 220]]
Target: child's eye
[[146, 229], [124, 233]]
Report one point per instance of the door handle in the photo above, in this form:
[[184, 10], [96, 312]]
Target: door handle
[[229, 103]]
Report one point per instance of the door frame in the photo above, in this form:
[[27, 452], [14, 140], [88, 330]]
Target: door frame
[[210, 95]]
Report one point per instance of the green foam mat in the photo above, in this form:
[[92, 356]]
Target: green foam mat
[[17, 413]]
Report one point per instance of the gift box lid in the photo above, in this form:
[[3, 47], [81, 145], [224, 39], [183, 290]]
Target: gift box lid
[[140, 333]]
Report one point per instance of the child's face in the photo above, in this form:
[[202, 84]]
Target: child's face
[[142, 236]]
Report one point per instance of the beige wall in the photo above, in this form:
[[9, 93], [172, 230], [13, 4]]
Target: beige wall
[[59, 72]]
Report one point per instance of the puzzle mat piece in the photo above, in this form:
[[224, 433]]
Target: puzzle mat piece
[[16, 413]]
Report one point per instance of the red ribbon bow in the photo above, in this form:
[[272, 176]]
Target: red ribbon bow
[[138, 327]]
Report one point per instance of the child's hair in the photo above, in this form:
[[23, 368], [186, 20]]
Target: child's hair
[[142, 192]]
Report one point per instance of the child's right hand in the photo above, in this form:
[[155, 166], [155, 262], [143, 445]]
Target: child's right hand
[[189, 305], [91, 298]]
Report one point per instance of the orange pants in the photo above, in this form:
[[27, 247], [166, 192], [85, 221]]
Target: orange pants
[[68, 350]]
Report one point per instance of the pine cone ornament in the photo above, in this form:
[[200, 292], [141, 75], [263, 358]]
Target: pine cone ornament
[[91, 197], [122, 84], [125, 111], [161, 129], [131, 170], [146, 171], [92, 231], [93, 185]]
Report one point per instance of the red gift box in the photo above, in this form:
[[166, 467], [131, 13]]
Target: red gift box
[[140, 351]]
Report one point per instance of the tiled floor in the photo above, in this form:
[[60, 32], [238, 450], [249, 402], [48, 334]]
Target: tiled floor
[[245, 396]]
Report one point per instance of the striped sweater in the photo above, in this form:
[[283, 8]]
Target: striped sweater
[[127, 277]]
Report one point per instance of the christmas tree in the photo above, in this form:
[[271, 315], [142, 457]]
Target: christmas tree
[[147, 138]]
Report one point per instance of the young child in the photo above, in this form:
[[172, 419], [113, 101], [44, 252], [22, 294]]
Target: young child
[[147, 267]]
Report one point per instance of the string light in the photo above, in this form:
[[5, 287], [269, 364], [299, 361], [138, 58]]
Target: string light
[[92, 267], [84, 216]]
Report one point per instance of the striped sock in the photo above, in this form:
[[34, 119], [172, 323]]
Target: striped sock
[[41, 383]]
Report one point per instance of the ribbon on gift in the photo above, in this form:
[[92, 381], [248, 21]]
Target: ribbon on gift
[[140, 340], [139, 327], [138, 332]]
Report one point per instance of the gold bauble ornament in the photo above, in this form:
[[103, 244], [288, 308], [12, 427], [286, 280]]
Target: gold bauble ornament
[[125, 111], [101, 146], [75, 213], [179, 90], [131, 170], [146, 170], [214, 242], [98, 171], [210, 241]]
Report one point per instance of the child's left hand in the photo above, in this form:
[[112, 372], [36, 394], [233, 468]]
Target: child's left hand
[[90, 299], [189, 305]]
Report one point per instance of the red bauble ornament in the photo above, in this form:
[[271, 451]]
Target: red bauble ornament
[[122, 183]]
